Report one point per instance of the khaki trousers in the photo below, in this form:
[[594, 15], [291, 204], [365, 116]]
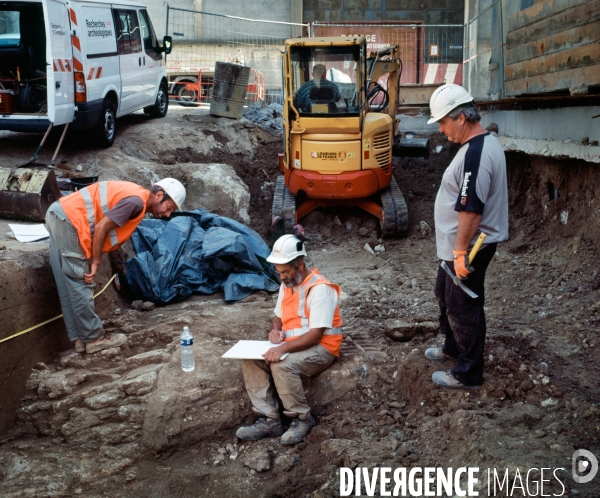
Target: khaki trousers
[[285, 377], [68, 262]]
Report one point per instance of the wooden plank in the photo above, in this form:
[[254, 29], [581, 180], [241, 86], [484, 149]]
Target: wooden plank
[[588, 55], [566, 40], [562, 21], [560, 80], [541, 10]]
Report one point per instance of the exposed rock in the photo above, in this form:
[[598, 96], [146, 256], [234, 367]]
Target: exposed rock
[[400, 330], [268, 118], [286, 461], [257, 459], [219, 189], [143, 305]]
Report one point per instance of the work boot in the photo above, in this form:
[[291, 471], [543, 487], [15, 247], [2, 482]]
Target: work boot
[[298, 430], [436, 354], [105, 342], [446, 379], [263, 427], [79, 346]]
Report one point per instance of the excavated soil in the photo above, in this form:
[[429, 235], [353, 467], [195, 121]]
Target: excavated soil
[[540, 400]]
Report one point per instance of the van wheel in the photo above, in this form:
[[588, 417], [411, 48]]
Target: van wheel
[[106, 129], [160, 107]]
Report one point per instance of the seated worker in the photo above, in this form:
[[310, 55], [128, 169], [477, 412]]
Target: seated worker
[[307, 325], [83, 226], [302, 99]]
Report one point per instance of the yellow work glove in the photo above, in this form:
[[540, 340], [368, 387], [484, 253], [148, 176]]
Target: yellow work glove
[[461, 264]]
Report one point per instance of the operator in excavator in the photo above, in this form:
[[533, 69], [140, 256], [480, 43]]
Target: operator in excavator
[[319, 88], [472, 198], [307, 328], [83, 226]]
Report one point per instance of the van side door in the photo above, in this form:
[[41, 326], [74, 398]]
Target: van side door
[[153, 60], [59, 63], [129, 46]]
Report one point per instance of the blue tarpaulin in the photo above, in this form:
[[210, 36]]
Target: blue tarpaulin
[[197, 251]]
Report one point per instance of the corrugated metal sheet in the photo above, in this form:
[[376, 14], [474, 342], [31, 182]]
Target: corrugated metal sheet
[[553, 45]]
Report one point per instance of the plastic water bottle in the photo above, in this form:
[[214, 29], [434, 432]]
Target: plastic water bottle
[[187, 351]]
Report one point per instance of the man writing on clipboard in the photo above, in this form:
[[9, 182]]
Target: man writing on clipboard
[[307, 327]]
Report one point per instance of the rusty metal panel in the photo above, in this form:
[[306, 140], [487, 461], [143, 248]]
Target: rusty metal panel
[[381, 36], [540, 10], [550, 81], [552, 46], [562, 21], [588, 55], [559, 42]]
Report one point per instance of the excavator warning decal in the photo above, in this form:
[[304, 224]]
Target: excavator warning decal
[[367, 144]]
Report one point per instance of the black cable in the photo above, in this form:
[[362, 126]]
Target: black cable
[[374, 92]]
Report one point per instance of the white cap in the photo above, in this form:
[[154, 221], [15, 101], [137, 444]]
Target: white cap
[[446, 98], [286, 249], [174, 189]]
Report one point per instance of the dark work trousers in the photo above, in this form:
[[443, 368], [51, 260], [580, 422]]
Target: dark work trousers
[[462, 319]]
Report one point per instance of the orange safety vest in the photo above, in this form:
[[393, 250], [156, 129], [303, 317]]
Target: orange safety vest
[[295, 314], [88, 206]]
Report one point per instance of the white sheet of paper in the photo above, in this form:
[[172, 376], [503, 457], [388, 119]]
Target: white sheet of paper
[[250, 350], [29, 233]]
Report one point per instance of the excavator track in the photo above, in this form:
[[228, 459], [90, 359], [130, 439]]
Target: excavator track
[[395, 212], [284, 204]]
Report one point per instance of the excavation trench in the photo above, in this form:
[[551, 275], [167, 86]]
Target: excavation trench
[[129, 423]]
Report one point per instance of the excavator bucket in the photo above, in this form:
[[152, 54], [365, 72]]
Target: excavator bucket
[[26, 194], [409, 145]]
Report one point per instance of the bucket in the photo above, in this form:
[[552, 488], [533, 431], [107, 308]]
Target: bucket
[[230, 84], [84, 181], [27, 193]]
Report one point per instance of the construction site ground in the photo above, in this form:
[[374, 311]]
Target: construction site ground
[[539, 403]]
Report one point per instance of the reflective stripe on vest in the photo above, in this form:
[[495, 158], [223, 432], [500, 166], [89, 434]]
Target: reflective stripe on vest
[[89, 207], [301, 303], [304, 330]]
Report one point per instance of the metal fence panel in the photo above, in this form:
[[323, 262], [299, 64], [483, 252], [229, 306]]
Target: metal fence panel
[[430, 53], [200, 39]]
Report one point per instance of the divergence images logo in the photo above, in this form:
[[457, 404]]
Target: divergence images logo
[[584, 462]]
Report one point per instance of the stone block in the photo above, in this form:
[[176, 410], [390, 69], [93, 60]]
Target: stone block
[[104, 400], [140, 385]]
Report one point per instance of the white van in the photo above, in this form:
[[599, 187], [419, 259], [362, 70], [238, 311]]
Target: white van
[[98, 60]]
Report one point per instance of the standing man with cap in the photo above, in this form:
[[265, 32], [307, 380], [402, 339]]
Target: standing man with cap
[[83, 226], [307, 327], [473, 197]]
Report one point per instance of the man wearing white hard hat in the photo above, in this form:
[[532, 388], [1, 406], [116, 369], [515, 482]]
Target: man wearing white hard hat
[[472, 198], [307, 327], [83, 226]]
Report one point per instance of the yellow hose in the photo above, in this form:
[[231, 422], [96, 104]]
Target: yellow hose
[[52, 319]]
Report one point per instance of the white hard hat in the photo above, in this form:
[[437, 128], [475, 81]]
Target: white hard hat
[[286, 249], [446, 98], [174, 189]]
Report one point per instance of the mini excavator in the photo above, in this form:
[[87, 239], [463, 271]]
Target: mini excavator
[[339, 116]]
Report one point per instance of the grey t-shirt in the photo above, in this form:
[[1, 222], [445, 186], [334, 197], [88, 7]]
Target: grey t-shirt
[[475, 181], [126, 209]]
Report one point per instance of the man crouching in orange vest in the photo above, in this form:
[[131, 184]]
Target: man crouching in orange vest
[[307, 324], [83, 226]]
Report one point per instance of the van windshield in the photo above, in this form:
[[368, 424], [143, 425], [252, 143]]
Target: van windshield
[[324, 80], [10, 33]]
